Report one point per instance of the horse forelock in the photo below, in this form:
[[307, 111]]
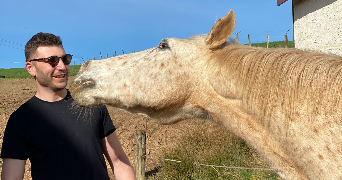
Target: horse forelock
[[288, 79]]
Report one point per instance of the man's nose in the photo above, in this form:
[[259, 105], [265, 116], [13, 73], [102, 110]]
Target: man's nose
[[61, 64]]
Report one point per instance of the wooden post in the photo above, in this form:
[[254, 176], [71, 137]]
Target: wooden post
[[267, 40], [237, 37], [286, 42], [114, 53], [107, 56], [93, 58], [140, 155], [249, 41]]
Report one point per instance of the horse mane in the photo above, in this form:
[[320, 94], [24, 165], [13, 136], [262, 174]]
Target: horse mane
[[266, 80]]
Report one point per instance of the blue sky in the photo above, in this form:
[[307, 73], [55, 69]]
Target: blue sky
[[91, 28]]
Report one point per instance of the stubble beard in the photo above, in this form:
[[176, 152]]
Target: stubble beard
[[49, 82]]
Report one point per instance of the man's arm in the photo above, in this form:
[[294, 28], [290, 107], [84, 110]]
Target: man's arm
[[117, 158], [13, 169]]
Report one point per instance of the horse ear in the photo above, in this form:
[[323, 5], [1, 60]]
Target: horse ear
[[221, 31]]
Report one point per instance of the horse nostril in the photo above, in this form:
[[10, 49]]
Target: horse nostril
[[88, 84]]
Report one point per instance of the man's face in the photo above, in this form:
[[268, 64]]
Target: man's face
[[48, 77]]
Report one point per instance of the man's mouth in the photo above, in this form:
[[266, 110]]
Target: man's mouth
[[60, 76]]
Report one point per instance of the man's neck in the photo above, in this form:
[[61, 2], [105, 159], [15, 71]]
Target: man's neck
[[50, 95]]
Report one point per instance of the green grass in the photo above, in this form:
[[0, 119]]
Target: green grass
[[74, 69], [15, 73], [22, 73], [275, 44]]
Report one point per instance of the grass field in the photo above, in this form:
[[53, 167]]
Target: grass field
[[275, 44], [22, 73], [227, 158]]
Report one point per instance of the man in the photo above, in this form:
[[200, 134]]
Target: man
[[61, 139]]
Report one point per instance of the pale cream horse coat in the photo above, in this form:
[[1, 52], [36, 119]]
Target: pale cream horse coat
[[285, 103]]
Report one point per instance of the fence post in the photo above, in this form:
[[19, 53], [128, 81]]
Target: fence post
[[286, 42], [237, 37], [140, 155], [267, 40], [249, 41]]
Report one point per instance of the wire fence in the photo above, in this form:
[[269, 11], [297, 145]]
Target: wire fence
[[78, 60], [211, 165]]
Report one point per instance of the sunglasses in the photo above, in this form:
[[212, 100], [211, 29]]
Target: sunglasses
[[54, 60]]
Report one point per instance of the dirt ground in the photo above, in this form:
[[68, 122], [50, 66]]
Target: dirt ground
[[159, 138]]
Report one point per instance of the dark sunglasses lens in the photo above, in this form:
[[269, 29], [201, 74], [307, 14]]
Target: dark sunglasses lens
[[53, 60], [67, 59]]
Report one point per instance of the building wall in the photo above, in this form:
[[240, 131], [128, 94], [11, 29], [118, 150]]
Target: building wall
[[318, 25]]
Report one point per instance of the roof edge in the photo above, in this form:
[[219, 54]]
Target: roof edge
[[280, 2]]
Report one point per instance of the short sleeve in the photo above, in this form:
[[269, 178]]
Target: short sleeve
[[15, 143], [107, 124]]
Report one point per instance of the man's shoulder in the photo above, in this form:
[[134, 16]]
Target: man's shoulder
[[26, 108]]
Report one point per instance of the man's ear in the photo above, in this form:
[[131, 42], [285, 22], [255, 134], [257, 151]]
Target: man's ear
[[31, 69]]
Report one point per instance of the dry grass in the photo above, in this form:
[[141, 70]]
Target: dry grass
[[217, 147]]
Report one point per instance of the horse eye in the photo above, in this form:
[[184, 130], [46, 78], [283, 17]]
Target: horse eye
[[162, 45]]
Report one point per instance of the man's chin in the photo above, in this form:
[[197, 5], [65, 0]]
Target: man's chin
[[60, 86]]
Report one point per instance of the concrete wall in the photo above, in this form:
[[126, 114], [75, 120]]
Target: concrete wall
[[318, 25]]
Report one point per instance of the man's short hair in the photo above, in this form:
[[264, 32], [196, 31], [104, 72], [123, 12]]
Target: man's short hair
[[41, 39]]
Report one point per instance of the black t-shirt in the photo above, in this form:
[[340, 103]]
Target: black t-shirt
[[61, 139]]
